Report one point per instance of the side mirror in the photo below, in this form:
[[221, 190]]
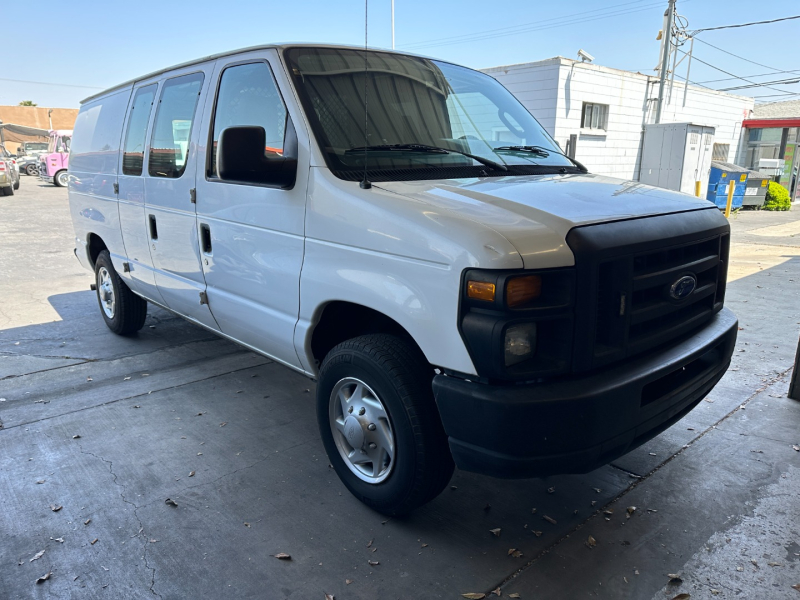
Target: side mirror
[[241, 157]]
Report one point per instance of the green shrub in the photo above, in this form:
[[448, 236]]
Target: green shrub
[[777, 197]]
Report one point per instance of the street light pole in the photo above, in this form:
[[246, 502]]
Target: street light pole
[[665, 59]]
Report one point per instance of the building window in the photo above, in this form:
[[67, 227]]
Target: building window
[[721, 152], [594, 116]]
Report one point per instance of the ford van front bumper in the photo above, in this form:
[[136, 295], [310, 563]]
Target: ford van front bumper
[[576, 424]]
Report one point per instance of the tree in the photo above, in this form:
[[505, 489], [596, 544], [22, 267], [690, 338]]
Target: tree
[[28, 103]]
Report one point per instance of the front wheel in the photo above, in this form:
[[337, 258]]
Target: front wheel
[[32, 170], [8, 191], [379, 423], [16, 185], [123, 311], [61, 178]]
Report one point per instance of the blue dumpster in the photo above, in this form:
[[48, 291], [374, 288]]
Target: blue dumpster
[[723, 174]]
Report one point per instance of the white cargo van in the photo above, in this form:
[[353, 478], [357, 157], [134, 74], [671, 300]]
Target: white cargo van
[[463, 293]]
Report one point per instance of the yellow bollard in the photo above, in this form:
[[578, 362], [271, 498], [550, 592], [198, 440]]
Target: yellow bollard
[[697, 188], [730, 198]]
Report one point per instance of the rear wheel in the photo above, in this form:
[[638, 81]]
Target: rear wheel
[[379, 423], [61, 178], [123, 311], [31, 170]]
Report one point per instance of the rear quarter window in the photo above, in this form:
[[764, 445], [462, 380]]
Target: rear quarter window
[[97, 134]]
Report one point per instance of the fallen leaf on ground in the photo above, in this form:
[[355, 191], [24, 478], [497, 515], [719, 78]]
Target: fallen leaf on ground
[[76, 437], [329, 597], [247, 524], [153, 541], [774, 564], [796, 586], [87, 521], [191, 473], [424, 546], [348, 581], [496, 591], [43, 578], [373, 563], [674, 578], [125, 378], [533, 511], [89, 379], [453, 487], [94, 541], [755, 563], [514, 595], [41, 481], [59, 540], [550, 520], [536, 533], [170, 502], [495, 532], [591, 542], [56, 507], [598, 490], [551, 490], [516, 554], [282, 556], [796, 448], [630, 510], [608, 512], [369, 544], [136, 406], [37, 556], [683, 596], [473, 596], [740, 568], [223, 424]]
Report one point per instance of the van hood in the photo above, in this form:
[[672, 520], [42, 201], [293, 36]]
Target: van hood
[[535, 212]]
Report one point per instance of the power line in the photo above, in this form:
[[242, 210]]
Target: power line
[[576, 18], [696, 31], [756, 75], [469, 36], [776, 82], [732, 75], [87, 87], [736, 55]]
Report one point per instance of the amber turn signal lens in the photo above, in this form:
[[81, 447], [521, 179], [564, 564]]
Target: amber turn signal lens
[[480, 290], [521, 290]]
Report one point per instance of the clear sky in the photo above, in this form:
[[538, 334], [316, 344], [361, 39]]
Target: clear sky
[[83, 46]]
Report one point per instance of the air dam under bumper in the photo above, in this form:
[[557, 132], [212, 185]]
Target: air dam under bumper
[[575, 425]]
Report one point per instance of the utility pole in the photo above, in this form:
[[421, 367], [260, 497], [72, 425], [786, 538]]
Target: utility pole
[[667, 48], [392, 24]]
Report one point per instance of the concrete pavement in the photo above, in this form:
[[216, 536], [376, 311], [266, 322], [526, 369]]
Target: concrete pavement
[[108, 428]]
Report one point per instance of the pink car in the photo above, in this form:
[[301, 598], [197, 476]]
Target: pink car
[[54, 164]]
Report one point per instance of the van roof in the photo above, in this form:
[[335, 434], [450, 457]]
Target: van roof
[[279, 46]]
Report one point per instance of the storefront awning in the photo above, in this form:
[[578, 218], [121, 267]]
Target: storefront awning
[[769, 123]]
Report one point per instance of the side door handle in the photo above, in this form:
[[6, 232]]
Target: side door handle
[[205, 238], [153, 227]]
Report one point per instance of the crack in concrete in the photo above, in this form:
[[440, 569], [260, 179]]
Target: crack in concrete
[[765, 385], [172, 387], [140, 533]]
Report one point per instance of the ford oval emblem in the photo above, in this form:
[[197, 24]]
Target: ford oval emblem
[[682, 288]]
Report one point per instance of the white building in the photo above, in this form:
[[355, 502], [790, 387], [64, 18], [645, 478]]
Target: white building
[[607, 110]]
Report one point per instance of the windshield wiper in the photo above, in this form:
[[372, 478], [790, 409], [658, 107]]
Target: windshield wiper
[[426, 148], [543, 152]]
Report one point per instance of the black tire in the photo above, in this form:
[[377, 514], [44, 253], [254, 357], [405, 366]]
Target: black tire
[[57, 178], [401, 377], [16, 185], [8, 191], [129, 310], [31, 170]]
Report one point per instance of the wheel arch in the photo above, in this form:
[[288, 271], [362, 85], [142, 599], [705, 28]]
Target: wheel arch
[[341, 320], [94, 246]]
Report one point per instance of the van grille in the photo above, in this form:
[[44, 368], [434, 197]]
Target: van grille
[[624, 303]]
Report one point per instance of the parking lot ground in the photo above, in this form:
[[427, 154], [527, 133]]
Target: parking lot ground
[[109, 428]]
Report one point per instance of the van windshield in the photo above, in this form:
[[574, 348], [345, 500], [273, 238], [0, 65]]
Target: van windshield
[[424, 118]]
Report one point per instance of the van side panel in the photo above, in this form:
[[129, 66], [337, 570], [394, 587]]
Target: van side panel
[[93, 173]]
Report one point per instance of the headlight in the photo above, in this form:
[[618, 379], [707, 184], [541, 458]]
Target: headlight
[[520, 343], [517, 325]]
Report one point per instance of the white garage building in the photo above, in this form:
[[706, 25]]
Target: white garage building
[[606, 110]]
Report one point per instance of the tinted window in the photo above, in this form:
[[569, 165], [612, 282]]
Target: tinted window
[[169, 145], [133, 154], [248, 95]]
